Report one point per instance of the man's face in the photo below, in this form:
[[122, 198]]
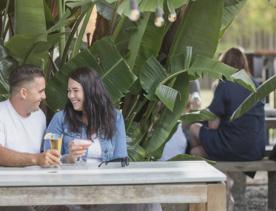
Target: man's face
[[35, 93]]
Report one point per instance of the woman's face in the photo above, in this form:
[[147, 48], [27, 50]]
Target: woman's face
[[75, 94]]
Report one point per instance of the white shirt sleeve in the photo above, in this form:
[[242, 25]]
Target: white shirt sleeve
[[2, 134]]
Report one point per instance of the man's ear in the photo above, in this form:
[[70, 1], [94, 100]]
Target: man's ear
[[23, 93]]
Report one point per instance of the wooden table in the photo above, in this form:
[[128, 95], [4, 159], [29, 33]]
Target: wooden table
[[194, 182]]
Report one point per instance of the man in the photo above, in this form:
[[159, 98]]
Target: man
[[22, 123]]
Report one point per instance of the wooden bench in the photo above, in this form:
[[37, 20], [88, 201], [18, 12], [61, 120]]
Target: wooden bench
[[252, 166]]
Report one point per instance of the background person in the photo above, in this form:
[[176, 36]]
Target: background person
[[178, 143], [240, 140]]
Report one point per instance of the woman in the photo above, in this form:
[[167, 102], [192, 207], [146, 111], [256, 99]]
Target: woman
[[241, 139], [89, 115]]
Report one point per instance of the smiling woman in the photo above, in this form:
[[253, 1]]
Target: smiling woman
[[75, 94], [92, 129], [89, 115]]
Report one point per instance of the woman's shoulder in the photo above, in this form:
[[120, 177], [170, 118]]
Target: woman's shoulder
[[59, 116]]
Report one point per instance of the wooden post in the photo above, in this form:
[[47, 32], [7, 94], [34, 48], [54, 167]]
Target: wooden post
[[271, 190], [238, 189], [216, 200]]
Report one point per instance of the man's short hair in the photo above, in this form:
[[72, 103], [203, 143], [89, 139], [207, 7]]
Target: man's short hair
[[23, 74]]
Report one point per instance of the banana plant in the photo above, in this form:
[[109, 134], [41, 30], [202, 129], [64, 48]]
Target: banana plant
[[148, 83], [262, 91], [6, 64]]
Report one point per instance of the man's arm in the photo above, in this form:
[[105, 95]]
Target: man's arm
[[10, 157]]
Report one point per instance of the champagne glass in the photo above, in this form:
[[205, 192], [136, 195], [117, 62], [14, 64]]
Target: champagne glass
[[84, 143]]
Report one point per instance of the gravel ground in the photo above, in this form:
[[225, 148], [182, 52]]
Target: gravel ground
[[256, 198], [256, 194]]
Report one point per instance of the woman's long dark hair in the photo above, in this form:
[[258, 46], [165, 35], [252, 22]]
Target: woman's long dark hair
[[235, 58], [97, 105]]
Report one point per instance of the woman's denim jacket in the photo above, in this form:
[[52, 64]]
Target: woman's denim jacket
[[111, 149]]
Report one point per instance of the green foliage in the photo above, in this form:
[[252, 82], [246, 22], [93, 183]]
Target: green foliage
[[103, 57], [6, 64], [262, 91], [198, 29], [202, 115], [219, 70], [149, 83]]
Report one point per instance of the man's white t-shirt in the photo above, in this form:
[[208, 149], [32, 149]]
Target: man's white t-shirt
[[22, 134]]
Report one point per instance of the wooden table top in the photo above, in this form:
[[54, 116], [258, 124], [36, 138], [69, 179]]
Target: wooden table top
[[112, 174]]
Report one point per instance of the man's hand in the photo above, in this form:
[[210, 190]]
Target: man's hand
[[48, 158]]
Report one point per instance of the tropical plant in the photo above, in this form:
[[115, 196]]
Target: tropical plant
[[145, 68]]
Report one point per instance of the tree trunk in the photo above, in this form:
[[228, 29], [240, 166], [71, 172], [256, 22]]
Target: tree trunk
[[102, 28]]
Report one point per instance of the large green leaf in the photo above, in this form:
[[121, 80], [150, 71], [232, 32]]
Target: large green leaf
[[146, 42], [29, 48], [135, 151], [30, 18], [77, 3], [167, 95], [199, 29], [242, 78], [196, 116], [6, 64], [124, 30], [177, 3], [231, 9], [105, 58], [150, 5], [212, 67], [262, 91], [30, 21], [169, 118], [217, 69], [153, 78], [151, 75]]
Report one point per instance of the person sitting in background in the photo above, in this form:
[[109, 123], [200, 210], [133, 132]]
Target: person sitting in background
[[178, 143], [221, 139]]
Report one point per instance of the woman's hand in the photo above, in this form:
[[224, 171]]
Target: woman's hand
[[78, 148]]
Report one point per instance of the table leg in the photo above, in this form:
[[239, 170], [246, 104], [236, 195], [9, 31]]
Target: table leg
[[197, 207], [216, 200]]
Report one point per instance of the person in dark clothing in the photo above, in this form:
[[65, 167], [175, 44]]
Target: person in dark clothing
[[221, 139]]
